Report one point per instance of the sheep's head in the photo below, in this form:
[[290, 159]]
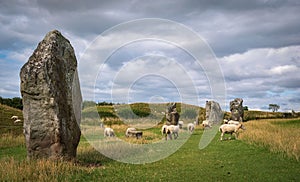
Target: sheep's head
[[242, 126]]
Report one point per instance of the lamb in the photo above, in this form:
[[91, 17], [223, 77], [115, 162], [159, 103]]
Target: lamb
[[191, 127], [230, 128], [14, 117], [233, 122], [132, 132], [109, 132], [17, 121], [128, 132], [206, 123], [180, 123], [172, 129]]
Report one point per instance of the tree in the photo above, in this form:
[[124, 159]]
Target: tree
[[274, 107]]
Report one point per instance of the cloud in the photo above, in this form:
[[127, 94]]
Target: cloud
[[268, 74], [256, 42]]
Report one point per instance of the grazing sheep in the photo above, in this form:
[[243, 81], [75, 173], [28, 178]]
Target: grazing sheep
[[109, 132], [172, 129], [206, 123], [225, 121], [129, 132], [180, 123], [17, 121], [233, 122], [191, 127], [230, 128], [132, 132], [14, 117]]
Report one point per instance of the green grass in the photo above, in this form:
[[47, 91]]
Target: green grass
[[230, 160]]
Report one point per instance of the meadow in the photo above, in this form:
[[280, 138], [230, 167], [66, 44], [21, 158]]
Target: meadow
[[268, 150]]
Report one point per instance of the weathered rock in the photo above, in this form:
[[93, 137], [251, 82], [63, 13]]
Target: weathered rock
[[214, 113], [51, 99], [172, 115], [237, 109]]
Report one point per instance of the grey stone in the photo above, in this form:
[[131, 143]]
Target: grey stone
[[51, 99], [213, 112], [172, 116], [237, 109]]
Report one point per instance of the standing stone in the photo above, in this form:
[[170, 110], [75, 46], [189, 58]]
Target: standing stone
[[51, 99], [214, 113], [172, 115], [237, 109]]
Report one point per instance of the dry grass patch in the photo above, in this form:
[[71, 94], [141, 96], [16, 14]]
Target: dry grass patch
[[9, 140], [276, 134]]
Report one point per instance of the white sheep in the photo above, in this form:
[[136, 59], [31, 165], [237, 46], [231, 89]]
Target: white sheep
[[233, 122], [17, 121], [109, 132], [225, 121], [206, 123], [191, 127], [128, 132], [230, 128], [172, 129], [180, 123], [14, 117]]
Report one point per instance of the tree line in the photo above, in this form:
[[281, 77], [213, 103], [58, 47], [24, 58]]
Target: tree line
[[15, 102]]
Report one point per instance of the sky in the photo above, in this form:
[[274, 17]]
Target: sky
[[164, 51]]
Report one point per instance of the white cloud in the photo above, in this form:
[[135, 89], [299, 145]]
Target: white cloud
[[279, 70]]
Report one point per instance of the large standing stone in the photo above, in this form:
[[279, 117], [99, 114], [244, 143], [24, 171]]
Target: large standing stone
[[237, 109], [172, 115], [214, 113], [51, 99]]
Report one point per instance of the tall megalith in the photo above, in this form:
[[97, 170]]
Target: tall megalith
[[51, 99], [172, 116], [213, 112], [237, 109]]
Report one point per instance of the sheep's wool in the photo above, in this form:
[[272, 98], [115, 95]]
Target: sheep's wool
[[51, 99]]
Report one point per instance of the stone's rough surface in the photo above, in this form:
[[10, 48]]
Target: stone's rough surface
[[237, 109], [172, 115], [51, 99], [214, 113]]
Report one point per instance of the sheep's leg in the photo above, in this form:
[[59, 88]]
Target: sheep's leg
[[222, 136], [175, 135], [230, 136], [236, 135], [171, 136]]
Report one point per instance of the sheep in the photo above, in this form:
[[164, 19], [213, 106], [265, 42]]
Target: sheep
[[172, 129], [225, 121], [206, 123], [191, 127], [17, 121], [109, 132], [14, 117], [233, 122], [230, 128], [129, 132], [132, 132], [180, 123]]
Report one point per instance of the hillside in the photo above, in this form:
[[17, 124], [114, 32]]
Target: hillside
[[6, 123]]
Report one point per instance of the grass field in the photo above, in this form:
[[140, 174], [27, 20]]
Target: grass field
[[250, 158]]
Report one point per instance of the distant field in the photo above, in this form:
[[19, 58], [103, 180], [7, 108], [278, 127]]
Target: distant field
[[268, 150]]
